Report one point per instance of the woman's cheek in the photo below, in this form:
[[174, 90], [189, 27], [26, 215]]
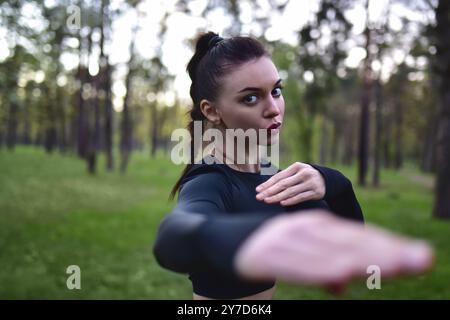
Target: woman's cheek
[[282, 105]]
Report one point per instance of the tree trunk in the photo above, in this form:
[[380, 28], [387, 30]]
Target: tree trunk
[[378, 130], [105, 76], [386, 137], [26, 118], [154, 130], [50, 139], [81, 117], [91, 154], [442, 199], [126, 129], [125, 144], [428, 163], [398, 135], [91, 114], [61, 107], [363, 148], [94, 138], [11, 131], [108, 119]]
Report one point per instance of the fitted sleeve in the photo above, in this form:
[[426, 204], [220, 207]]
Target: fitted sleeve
[[199, 235], [339, 194]]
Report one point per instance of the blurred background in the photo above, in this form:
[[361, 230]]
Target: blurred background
[[90, 92]]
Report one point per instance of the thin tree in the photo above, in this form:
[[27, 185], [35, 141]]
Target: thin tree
[[105, 85], [126, 125], [363, 148], [442, 67]]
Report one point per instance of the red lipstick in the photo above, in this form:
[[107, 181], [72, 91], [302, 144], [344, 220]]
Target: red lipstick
[[274, 126]]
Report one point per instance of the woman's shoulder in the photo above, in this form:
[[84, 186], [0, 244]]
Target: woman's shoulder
[[207, 182], [207, 172]]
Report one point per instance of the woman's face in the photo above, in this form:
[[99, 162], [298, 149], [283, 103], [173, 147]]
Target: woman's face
[[251, 98]]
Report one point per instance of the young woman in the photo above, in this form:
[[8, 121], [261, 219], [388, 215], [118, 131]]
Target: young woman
[[235, 230]]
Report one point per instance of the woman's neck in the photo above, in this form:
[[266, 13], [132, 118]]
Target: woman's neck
[[251, 163]]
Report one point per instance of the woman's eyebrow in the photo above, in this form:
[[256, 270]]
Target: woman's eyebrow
[[258, 89]]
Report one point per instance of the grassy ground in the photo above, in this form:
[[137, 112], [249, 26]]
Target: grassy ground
[[52, 215]]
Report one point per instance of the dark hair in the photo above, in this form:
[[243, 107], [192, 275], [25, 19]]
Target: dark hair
[[214, 57]]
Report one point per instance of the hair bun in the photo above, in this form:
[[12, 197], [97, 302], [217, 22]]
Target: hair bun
[[214, 40]]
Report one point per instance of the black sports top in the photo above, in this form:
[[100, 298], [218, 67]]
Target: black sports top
[[217, 210]]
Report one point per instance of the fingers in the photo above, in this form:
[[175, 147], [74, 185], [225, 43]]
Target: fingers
[[298, 183], [290, 193], [418, 259], [283, 191], [371, 246], [284, 181], [301, 197], [291, 170], [395, 255], [321, 249]]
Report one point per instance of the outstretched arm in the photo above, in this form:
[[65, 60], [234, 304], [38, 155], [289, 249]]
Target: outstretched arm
[[307, 247], [318, 248]]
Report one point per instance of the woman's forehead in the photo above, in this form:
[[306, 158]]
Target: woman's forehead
[[260, 73]]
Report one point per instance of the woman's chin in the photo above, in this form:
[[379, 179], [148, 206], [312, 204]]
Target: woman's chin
[[271, 140]]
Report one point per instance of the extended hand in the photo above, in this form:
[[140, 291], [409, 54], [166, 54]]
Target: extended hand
[[299, 182], [318, 248]]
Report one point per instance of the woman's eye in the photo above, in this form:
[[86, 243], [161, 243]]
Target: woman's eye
[[250, 99], [277, 91]]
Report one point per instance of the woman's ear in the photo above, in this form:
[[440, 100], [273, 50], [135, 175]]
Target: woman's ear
[[210, 112]]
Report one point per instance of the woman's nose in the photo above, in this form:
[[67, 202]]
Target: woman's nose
[[272, 108]]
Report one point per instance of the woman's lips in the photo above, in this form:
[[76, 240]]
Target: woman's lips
[[274, 126]]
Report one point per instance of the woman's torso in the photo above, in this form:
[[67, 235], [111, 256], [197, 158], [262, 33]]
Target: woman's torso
[[240, 197]]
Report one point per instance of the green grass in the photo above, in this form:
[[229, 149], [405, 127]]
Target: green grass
[[52, 215]]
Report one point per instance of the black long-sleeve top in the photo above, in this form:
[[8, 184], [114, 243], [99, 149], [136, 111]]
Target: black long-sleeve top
[[216, 211]]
